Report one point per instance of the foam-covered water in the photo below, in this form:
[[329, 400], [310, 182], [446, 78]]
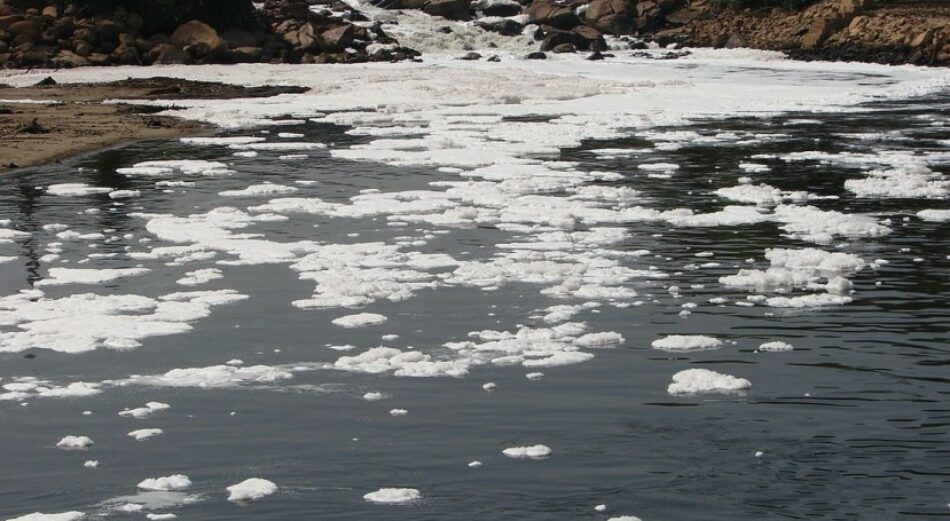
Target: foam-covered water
[[705, 289]]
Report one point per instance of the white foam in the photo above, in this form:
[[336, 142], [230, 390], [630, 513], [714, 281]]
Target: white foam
[[144, 434], [260, 190], [701, 381], [251, 489], [166, 483], [360, 320], [59, 276], [75, 189], [38, 516], [198, 277], [393, 496], [212, 377], [72, 442], [776, 347], [532, 452], [934, 215], [83, 322], [686, 343]]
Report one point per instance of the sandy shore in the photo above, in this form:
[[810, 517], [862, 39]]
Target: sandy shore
[[46, 123]]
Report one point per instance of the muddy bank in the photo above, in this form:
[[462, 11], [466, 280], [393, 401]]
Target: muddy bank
[[49, 122]]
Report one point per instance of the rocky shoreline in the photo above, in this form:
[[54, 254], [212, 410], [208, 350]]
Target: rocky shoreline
[[57, 34], [52, 34]]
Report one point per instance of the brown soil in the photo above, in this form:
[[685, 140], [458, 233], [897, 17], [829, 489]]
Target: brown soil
[[32, 134]]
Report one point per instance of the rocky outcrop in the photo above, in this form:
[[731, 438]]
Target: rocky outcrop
[[854, 30], [48, 33]]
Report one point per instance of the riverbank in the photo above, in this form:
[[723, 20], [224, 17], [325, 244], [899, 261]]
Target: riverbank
[[899, 32], [47, 122]]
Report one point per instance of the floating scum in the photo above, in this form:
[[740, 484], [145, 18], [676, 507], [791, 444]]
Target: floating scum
[[466, 120]]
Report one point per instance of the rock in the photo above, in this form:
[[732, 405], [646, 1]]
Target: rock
[[167, 54], [501, 8], [451, 9], [549, 12], [63, 28], [126, 54], [337, 38], [31, 58], [195, 33], [596, 56], [536, 56], [107, 31], [82, 48], [471, 56], [303, 39], [28, 29], [683, 16], [247, 54], [611, 16], [238, 38], [588, 38], [51, 12], [494, 58], [68, 59], [505, 26], [921, 39], [98, 58], [564, 48], [735, 41]]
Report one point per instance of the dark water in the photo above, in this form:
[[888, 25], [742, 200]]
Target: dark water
[[854, 424]]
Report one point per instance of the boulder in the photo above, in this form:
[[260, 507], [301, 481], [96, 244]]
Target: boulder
[[108, 31], [683, 16], [611, 16], [126, 54], [28, 29], [82, 48], [505, 26], [68, 59], [31, 58], [247, 54], [553, 13], [167, 54], [735, 41], [497, 7], [238, 38], [337, 38], [564, 48], [304, 39], [588, 38], [451, 9], [536, 56], [8, 20], [195, 33]]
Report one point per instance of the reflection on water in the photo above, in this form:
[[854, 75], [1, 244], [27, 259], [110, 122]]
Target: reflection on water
[[853, 424]]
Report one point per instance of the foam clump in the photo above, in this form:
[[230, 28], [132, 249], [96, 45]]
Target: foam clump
[[72, 442], [251, 489], [686, 343], [776, 347], [39, 516], [166, 483], [359, 320], [393, 495], [532, 452], [703, 381]]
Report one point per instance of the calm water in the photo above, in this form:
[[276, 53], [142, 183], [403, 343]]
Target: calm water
[[853, 424]]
